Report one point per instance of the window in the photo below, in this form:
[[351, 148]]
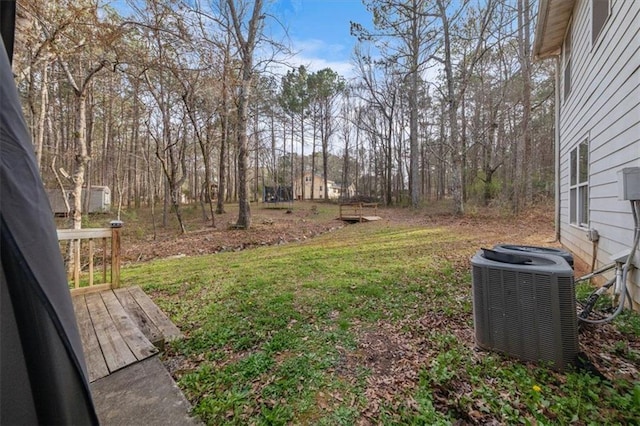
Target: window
[[566, 54], [579, 185], [600, 12]]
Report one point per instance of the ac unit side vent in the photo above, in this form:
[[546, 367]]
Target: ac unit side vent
[[526, 310]]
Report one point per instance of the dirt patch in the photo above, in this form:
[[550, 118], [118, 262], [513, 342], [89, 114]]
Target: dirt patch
[[273, 226], [394, 354], [609, 352], [269, 227], [392, 358]]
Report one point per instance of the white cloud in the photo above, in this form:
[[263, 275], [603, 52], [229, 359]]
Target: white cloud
[[317, 54]]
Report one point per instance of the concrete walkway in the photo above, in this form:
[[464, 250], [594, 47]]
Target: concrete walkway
[[143, 393]]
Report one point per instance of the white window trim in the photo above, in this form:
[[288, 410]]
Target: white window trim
[[578, 185]]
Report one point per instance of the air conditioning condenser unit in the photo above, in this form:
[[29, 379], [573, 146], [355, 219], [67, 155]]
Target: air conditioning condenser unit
[[524, 306]]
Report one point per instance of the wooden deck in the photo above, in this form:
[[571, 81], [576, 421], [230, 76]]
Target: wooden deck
[[120, 327], [347, 218], [355, 212]]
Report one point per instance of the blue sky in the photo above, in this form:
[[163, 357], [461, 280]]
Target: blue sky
[[319, 31]]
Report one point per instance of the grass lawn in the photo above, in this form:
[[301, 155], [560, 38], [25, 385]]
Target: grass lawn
[[371, 323]]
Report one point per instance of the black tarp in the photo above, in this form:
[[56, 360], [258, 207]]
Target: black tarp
[[43, 377]]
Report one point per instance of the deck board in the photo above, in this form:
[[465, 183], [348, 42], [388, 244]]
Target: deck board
[[139, 345], [159, 319], [96, 365], [115, 350], [137, 315]]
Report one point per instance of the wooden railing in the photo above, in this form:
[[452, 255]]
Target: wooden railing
[[83, 251]]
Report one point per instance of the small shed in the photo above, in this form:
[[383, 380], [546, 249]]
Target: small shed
[[99, 199]]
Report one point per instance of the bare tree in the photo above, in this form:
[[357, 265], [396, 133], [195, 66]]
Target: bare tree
[[403, 32], [455, 85], [295, 98], [246, 30], [381, 90], [80, 78], [524, 55], [326, 86]]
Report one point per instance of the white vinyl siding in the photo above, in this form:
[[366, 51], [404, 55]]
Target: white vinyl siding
[[566, 71], [604, 104]]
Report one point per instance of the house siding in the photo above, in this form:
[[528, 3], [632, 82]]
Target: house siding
[[318, 187], [603, 107]]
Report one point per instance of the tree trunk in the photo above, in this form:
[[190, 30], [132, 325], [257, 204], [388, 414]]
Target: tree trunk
[[325, 147], [222, 161], [274, 165], [313, 158], [302, 194], [244, 212], [389, 161], [457, 172], [256, 133], [291, 171], [414, 186], [81, 158], [524, 25], [44, 104], [134, 182]]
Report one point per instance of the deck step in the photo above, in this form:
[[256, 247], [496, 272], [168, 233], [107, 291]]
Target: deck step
[[119, 328]]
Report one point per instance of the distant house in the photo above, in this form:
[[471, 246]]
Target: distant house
[[334, 190], [310, 181], [317, 183], [343, 190], [596, 45]]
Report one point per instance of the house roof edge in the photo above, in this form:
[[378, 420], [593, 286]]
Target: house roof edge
[[552, 22]]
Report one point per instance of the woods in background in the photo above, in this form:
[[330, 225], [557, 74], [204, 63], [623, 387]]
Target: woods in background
[[170, 102]]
